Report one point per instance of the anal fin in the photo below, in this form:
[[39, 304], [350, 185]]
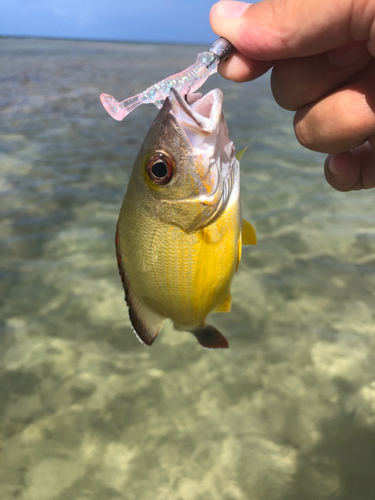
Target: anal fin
[[226, 305], [145, 322], [208, 336], [248, 233]]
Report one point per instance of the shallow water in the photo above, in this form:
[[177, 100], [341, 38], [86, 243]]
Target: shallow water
[[86, 411]]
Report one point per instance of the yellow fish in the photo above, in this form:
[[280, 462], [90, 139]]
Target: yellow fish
[[180, 230]]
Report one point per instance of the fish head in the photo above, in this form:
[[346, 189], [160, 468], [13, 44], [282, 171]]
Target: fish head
[[186, 167]]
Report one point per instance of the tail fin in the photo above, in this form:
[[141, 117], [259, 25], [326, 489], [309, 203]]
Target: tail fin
[[208, 336]]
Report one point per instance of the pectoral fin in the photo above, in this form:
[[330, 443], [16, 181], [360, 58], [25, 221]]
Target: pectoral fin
[[239, 252], [248, 233], [208, 336], [145, 322], [240, 153], [225, 305]]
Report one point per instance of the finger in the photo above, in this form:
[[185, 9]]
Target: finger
[[352, 170], [279, 29], [297, 82], [339, 122], [242, 69]]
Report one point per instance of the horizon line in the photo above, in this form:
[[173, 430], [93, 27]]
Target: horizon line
[[106, 40]]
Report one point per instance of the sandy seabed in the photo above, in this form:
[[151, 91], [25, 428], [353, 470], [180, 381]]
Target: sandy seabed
[[86, 411]]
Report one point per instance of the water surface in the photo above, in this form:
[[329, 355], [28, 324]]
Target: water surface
[[86, 411]]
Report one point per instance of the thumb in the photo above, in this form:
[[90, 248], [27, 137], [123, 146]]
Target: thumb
[[279, 29]]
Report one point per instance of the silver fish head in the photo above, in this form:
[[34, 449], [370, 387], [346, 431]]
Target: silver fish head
[[186, 168]]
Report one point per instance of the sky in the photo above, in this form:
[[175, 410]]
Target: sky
[[176, 21]]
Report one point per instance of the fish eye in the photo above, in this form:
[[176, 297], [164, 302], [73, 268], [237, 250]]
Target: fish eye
[[160, 168]]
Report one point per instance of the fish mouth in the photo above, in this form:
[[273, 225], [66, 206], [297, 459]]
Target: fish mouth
[[203, 122], [200, 117], [198, 114]]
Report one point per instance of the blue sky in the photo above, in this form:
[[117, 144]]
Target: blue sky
[[179, 21]]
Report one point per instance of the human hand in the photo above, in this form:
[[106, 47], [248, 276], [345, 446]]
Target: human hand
[[323, 58]]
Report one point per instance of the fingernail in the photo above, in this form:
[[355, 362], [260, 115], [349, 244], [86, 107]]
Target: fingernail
[[231, 9], [350, 55], [331, 166]]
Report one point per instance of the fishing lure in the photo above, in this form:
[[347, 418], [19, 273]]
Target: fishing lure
[[187, 81]]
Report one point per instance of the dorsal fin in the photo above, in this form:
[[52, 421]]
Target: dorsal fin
[[145, 322]]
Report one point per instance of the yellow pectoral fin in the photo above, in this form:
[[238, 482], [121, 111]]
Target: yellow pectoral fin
[[248, 233], [239, 252], [240, 153], [225, 306]]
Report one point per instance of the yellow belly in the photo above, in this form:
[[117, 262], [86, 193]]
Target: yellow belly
[[178, 275]]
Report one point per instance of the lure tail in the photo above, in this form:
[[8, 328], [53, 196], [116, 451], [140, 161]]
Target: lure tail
[[118, 110]]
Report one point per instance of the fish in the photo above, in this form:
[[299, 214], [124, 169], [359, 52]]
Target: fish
[[180, 231]]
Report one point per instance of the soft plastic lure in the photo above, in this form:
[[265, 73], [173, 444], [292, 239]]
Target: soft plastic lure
[[187, 81]]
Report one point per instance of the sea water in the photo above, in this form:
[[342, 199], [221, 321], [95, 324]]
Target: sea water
[[86, 411]]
